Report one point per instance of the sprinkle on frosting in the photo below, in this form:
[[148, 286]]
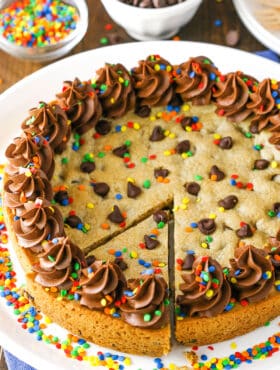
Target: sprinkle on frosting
[[51, 122], [146, 303], [251, 274], [194, 80], [114, 86], [152, 81], [206, 292], [80, 102]]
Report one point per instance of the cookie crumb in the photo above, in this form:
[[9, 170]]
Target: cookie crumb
[[191, 356]]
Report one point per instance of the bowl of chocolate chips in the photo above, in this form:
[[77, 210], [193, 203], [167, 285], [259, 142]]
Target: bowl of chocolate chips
[[151, 19]]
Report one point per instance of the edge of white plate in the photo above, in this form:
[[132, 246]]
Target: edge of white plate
[[267, 38]]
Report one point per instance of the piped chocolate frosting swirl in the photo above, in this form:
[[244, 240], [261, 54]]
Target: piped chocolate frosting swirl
[[30, 152], [251, 274], [51, 122], [115, 91], [152, 81], [102, 285], [59, 259], [232, 95], [39, 221], [81, 104], [194, 80], [146, 304], [206, 292], [26, 186]]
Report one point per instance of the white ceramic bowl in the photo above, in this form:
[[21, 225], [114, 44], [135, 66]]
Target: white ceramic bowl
[[151, 23], [49, 52]]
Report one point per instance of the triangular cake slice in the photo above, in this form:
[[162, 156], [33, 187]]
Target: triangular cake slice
[[141, 252]]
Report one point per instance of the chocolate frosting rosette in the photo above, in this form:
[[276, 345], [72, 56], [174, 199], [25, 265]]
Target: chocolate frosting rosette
[[251, 274], [115, 90], [194, 80], [206, 292], [38, 222], [102, 285], [146, 304], [30, 152], [81, 104], [232, 94], [264, 107], [26, 186], [51, 122], [58, 263], [153, 82]]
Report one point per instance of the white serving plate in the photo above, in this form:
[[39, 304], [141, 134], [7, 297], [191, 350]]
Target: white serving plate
[[42, 86]]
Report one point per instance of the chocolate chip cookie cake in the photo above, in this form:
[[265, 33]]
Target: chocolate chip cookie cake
[[146, 202]]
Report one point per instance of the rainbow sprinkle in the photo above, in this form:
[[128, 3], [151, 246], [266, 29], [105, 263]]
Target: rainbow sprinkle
[[259, 351], [37, 23]]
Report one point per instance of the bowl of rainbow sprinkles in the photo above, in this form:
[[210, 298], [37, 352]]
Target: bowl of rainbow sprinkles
[[42, 30]]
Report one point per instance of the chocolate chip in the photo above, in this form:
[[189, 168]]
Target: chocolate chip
[[216, 174], [61, 196], [228, 202], [183, 146], [73, 221], [276, 207], [87, 167], [176, 101], [261, 164], [115, 216], [120, 262], [101, 188], [226, 142], [103, 127], [207, 226], [150, 243], [133, 190], [186, 122], [90, 260], [192, 188], [160, 216], [188, 262], [143, 111], [114, 38], [145, 4], [160, 3], [161, 172], [232, 37], [244, 232], [121, 151], [157, 134]]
